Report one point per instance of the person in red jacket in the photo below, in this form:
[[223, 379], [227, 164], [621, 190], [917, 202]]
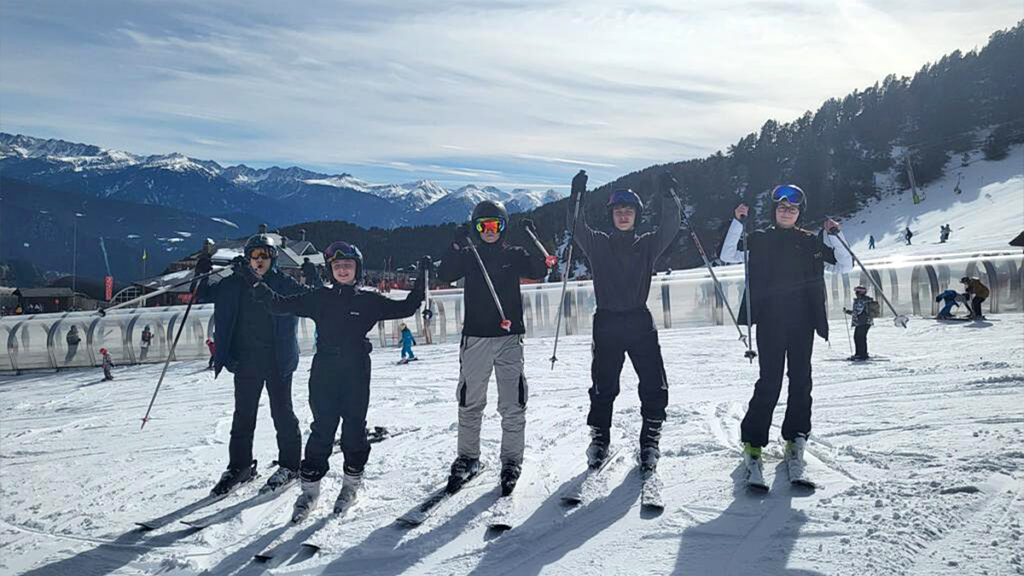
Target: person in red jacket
[[212, 347]]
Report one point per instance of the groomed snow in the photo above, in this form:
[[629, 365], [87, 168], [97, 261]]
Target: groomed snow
[[919, 453]]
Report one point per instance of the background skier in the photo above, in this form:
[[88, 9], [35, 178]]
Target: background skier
[[72, 339], [978, 292], [310, 275], [862, 312], [260, 350], [949, 298], [408, 341], [486, 345], [339, 382], [108, 364], [622, 263], [787, 302], [147, 340]]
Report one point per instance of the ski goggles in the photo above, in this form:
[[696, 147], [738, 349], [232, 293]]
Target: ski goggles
[[788, 193], [342, 251], [259, 254], [492, 225]]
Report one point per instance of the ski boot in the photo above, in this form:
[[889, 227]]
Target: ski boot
[[794, 458], [281, 478], [306, 501], [350, 484], [650, 437], [234, 477], [509, 476], [597, 452], [462, 469], [754, 467]]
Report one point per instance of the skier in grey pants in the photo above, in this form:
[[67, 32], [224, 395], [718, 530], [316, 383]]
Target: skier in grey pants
[[487, 345]]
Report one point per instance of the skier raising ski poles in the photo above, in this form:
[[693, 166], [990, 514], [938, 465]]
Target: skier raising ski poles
[[622, 263], [492, 337], [786, 288]]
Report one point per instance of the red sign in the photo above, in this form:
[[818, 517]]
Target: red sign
[[108, 284]]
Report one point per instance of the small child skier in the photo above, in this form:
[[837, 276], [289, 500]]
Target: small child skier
[[863, 312], [949, 298], [108, 364], [212, 347], [407, 343]]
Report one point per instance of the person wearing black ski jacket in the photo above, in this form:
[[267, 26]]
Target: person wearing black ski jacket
[[487, 345], [260, 350], [622, 263], [787, 302], [339, 382]]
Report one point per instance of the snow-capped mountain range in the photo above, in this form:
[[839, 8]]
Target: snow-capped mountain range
[[278, 195]]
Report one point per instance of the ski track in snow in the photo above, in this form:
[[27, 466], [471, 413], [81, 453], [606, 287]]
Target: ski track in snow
[[918, 458]]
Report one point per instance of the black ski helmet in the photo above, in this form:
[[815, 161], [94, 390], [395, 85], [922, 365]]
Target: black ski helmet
[[491, 209], [265, 241], [625, 197], [965, 280], [860, 290], [341, 250]]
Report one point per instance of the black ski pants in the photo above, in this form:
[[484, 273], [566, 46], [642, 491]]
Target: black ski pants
[[777, 345], [976, 306], [339, 392], [615, 335], [860, 340], [256, 369]]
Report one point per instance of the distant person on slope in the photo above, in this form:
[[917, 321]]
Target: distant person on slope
[[147, 340], [108, 364], [72, 339], [260, 350], [408, 341], [978, 292], [339, 383], [622, 262], [487, 344], [787, 302], [949, 298], [862, 314], [310, 276], [871, 242], [907, 235]]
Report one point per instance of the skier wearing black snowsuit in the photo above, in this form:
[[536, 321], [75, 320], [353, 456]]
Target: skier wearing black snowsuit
[[787, 298], [260, 350], [622, 263], [310, 277], [861, 319], [486, 346], [339, 382]]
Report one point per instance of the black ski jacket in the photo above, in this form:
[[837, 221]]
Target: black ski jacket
[[343, 314], [622, 262], [505, 265]]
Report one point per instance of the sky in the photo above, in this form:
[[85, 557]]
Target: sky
[[507, 93]]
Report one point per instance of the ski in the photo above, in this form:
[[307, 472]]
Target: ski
[[341, 509], [650, 492], [406, 361], [236, 509], [422, 512], [502, 513], [592, 480], [181, 512]]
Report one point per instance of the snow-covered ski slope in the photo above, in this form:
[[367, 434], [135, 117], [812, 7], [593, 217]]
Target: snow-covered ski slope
[[919, 453]]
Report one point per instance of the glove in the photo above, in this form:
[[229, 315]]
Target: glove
[[238, 265], [551, 261], [528, 224], [460, 239], [848, 311], [668, 183], [261, 292], [204, 264], [579, 183], [426, 263]]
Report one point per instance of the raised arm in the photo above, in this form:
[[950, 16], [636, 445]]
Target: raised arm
[[668, 225], [582, 234], [300, 304], [732, 247], [389, 309], [841, 261], [453, 265]]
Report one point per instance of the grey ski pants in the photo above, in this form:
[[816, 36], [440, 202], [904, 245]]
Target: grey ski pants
[[477, 358]]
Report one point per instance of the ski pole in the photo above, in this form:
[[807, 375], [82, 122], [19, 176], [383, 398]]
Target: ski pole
[[714, 278], [216, 269], [167, 362], [898, 319], [582, 175], [848, 339], [549, 260], [749, 354], [505, 323]]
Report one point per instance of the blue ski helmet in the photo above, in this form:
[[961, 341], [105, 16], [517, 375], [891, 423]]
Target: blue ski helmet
[[341, 250], [625, 197]]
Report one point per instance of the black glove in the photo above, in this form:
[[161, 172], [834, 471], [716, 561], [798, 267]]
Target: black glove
[[426, 263], [579, 183], [261, 292], [668, 183], [204, 264], [528, 224], [238, 265], [460, 238], [848, 311]]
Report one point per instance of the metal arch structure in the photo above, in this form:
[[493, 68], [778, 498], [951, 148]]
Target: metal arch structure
[[683, 299]]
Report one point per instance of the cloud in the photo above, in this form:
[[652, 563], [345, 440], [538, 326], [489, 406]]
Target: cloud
[[472, 90]]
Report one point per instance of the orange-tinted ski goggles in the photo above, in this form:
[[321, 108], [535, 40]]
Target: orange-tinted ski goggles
[[492, 225]]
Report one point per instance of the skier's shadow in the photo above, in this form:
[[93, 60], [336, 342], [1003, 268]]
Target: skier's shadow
[[110, 556], [381, 554], [754, 535], [540, 541]]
